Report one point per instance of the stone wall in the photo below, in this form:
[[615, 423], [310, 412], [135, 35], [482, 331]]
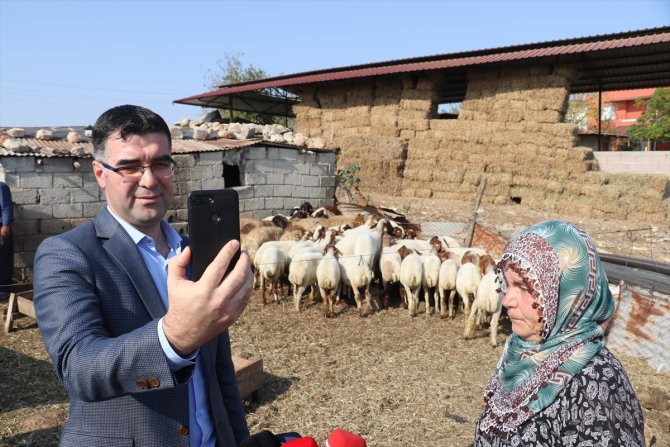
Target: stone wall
[[54, 194], [509, 130]]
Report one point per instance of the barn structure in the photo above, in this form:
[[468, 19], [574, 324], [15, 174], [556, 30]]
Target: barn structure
[[503, 120]]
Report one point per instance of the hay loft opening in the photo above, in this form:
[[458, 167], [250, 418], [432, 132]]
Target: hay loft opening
[[449, 110]]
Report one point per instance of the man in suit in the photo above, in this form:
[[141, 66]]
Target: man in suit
[[142, 351]]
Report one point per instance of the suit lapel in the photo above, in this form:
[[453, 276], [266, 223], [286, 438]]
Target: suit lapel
[[121, 247]]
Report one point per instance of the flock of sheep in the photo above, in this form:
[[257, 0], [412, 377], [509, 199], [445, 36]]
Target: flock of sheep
[[345, 254]]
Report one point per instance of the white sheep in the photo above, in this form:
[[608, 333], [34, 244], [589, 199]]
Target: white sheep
[[356, 274], [487, 301], [411, 277], [363, 242], [302, 273], [389, 267], [461, 251], [447, 284], [284, 246], [440, 243], [328, 277], [419, 245], [430, 278], [271, 268], [467, 279]]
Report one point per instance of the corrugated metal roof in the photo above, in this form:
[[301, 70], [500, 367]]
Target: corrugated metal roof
[[188, 146], [53, 148], [582, 50]]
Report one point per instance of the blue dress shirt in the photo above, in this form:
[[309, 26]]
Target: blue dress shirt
[[201, 430]]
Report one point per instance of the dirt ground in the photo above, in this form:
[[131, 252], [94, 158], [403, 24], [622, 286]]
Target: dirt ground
[[395, 380]]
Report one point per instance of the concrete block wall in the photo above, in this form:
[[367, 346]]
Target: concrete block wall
[[276, 179], [53, 195]]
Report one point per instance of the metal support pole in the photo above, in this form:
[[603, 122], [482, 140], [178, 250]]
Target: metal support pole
[[474, 215], [600, 93]]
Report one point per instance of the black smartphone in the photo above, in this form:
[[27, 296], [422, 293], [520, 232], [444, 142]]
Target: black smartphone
[[213, 221]]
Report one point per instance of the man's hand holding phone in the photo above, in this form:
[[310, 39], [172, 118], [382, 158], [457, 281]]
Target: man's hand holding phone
[[201, 310]]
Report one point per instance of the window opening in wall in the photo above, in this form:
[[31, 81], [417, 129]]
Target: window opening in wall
[[231, 175], [516, 200], [449, 110]]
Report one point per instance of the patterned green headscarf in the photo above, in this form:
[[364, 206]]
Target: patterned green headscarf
[[560, 265]]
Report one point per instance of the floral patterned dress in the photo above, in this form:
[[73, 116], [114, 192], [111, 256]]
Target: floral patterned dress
[[597, 408]]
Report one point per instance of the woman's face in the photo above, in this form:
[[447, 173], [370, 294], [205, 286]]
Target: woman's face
[[519, 303]]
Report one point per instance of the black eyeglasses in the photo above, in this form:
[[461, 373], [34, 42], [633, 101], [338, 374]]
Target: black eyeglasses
[[162, 168]]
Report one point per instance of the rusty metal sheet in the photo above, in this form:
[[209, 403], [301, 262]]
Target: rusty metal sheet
[[640, 326]]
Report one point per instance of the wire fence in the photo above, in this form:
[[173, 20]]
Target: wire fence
[[652, 243]]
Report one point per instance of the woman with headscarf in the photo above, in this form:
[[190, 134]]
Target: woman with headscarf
[[556, 383]]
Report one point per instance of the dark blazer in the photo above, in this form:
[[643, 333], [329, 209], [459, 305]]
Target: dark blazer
[[97, 309]]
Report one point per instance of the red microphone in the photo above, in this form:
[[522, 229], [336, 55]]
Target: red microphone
[[301, 442], [343, 438]]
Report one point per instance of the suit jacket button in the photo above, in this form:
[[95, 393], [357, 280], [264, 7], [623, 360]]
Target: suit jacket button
[[142, 384], [183, 430], [154, 382]]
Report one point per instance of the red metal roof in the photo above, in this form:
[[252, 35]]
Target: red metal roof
[[552, 49]]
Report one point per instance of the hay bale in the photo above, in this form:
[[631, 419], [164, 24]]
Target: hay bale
[[385, 131], [383, 121], [386, 100], [412, 124]]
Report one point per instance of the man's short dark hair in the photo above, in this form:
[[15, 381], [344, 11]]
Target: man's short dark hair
[[127, 120]]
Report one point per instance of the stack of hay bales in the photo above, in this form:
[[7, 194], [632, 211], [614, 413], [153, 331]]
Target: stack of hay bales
[[309, 116], [386, 107], [382, 161], [509, 130], [346, 119]]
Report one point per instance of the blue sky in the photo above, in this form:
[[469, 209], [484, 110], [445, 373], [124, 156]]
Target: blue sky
[[66, 62]]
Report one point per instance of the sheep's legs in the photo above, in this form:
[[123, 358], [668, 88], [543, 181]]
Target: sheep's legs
[[262, 285], [386, 286], [452, 297], [357, 297], [275, 292], [412, 299], [403, 296], [470, 322], [368, 298], [427, 297], [466, 303], [328, 301], [297, 294], [494, 327]]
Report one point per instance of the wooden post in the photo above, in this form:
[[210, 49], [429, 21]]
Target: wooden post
[[474, 214]]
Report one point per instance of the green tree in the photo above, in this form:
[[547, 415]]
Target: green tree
[[654, 123], [231, 70]]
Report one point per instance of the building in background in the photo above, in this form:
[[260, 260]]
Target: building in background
[[619, 110]]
